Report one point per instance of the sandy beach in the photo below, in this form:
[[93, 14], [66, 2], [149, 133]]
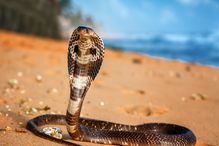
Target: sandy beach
[[130, 89]]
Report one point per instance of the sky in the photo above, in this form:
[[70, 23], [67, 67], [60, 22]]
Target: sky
[[118, 18]]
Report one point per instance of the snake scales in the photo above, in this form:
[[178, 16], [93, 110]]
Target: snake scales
[[85, 56]]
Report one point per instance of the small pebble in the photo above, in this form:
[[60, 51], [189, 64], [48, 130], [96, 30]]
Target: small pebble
[[104, 73], [53, 113], [198, 96], [6, 115], [13, 83], [102, 103], [136, 60], [188, 68], [0, 114], [20, 130], [7, 128], [38, 78], [6, 106], [142, 92], [46, 108], [30, 99], [7, 90], [53, 90], [41, 103], [183, 99], [34, 110], [9, 109], [19, 74], [20, 123], [23, 91]]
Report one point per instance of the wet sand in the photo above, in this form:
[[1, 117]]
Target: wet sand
[[130, 89]]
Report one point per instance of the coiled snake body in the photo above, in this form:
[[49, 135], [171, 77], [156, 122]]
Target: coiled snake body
[[85, 55]]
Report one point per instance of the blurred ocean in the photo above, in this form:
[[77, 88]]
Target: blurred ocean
[[192, 48]]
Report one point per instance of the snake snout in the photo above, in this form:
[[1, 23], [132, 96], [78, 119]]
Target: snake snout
[[84, 32]]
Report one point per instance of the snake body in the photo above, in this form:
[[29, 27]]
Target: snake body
[[85, 56]]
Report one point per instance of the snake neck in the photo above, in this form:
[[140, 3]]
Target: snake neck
[[78, 88]]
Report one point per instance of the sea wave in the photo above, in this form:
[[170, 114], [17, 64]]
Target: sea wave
[[193, 48]]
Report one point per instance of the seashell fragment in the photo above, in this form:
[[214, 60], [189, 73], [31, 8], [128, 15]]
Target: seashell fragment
[[53, 131]]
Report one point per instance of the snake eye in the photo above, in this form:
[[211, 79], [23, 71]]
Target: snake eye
[[76, 50], [93, 51]]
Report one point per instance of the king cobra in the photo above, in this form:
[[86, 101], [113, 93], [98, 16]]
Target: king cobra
[[85, 56]]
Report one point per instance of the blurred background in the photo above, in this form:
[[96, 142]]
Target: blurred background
[[186, 30]]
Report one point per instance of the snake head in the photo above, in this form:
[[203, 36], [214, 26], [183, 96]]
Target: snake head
[[86, 44], [87, 49]]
